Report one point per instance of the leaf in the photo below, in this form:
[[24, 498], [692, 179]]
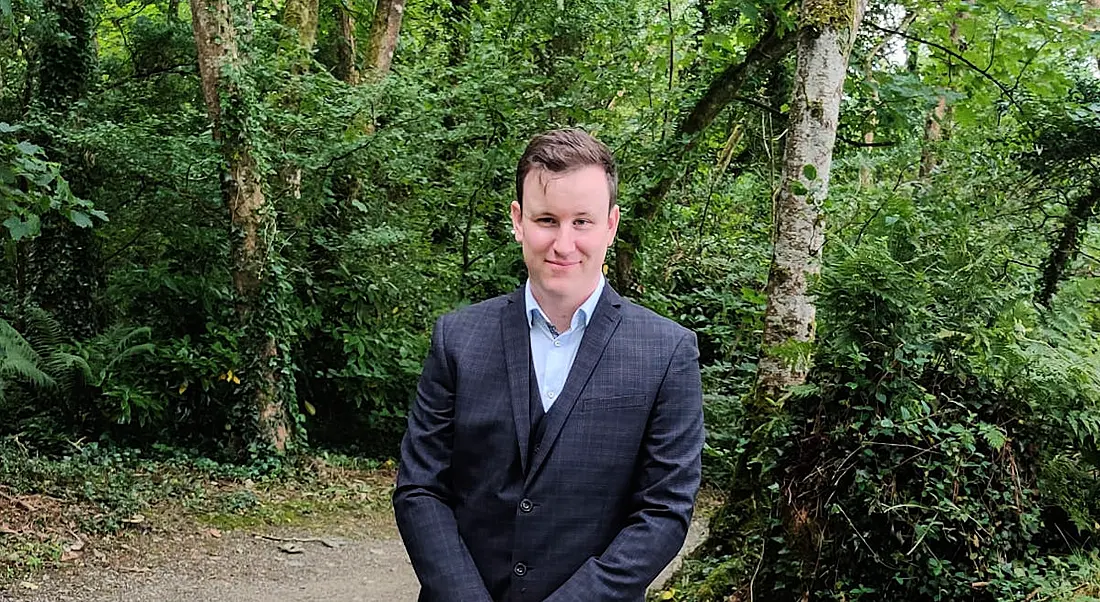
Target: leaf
[[993, 435], [28, 149], [81, 219], [7, 128], [312, 411], [809, 171], [20, 229]]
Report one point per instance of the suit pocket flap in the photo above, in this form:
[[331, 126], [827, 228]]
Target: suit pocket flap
[[615, 402]]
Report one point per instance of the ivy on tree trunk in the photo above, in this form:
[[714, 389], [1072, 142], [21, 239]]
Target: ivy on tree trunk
[[253, 224]]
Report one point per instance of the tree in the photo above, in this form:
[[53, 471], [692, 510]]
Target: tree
[[221, 67], [69, 287], [301, 16], [384, 30], [347, 70], [772, 46], [824, 43]]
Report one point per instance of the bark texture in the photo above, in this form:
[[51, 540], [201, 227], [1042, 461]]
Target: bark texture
[[251, 221], [936, 128], [346, 68], [772, 46], [384, 31], [933, 135], [301, 15], [824, 43]]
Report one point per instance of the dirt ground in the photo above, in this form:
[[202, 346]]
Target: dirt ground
[[349, 562]]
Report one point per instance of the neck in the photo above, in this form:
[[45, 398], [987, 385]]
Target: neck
[[560, 310]]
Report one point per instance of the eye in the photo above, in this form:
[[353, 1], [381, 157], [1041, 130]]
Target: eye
[[584, 222]]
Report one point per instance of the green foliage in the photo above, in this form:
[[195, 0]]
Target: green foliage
[[31, 188], [19, 361], [947, 436]]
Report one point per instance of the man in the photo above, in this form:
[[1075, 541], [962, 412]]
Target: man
[[553, 450]]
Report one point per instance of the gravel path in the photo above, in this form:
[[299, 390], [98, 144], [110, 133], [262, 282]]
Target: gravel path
[[239, 567]]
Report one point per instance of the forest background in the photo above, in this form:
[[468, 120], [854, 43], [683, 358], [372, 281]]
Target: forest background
[[228, 227]]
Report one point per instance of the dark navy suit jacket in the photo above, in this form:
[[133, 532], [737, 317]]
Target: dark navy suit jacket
[[599, 507]]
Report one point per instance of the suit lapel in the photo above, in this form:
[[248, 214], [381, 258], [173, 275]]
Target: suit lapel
[[597, 334], [516, 333]]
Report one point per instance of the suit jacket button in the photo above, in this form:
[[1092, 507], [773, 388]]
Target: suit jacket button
[[526, 506], [520, 569]]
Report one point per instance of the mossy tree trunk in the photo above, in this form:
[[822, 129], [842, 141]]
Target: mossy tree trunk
[[252, 220], [384, 31], [63, 70], [824, 43]]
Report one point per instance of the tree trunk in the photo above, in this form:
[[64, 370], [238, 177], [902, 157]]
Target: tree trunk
[[1068, 244], [252, 220], [64, 271], [346, 69], [301, 16], [384, 30], [772, 47], [933, 134], [67, 56], [824, 44], [935, 128]]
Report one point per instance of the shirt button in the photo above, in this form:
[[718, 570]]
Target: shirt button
[[551, 394], [520, 569], [557, 343], [526, 506]]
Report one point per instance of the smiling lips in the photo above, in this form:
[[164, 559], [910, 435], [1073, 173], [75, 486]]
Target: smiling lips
[[562, 265]]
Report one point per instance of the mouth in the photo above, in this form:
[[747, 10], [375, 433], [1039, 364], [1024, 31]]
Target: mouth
[[561, 265]]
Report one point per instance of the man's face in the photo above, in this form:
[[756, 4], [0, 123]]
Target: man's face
[[565, 227]]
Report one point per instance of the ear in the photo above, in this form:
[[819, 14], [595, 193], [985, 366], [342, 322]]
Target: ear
[[517, 221], [613, 223]]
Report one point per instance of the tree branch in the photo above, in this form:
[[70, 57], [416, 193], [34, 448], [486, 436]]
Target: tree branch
[[861, 144], [1008, 92]]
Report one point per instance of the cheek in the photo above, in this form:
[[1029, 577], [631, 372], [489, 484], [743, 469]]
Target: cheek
[[535, 240], [594, 245]]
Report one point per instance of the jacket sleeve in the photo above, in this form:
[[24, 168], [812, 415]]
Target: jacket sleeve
[[668, 479], [423, 498]]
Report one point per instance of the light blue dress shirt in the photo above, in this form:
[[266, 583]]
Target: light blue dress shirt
[[552, 352]]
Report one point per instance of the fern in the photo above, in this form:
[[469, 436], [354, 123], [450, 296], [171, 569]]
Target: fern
[[20, 361]]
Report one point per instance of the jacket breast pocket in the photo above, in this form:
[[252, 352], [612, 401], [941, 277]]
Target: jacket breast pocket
[[613, 402]]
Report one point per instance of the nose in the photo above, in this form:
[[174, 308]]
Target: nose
[[564, 241]]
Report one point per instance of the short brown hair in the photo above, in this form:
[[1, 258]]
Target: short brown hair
[[561, 151]]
